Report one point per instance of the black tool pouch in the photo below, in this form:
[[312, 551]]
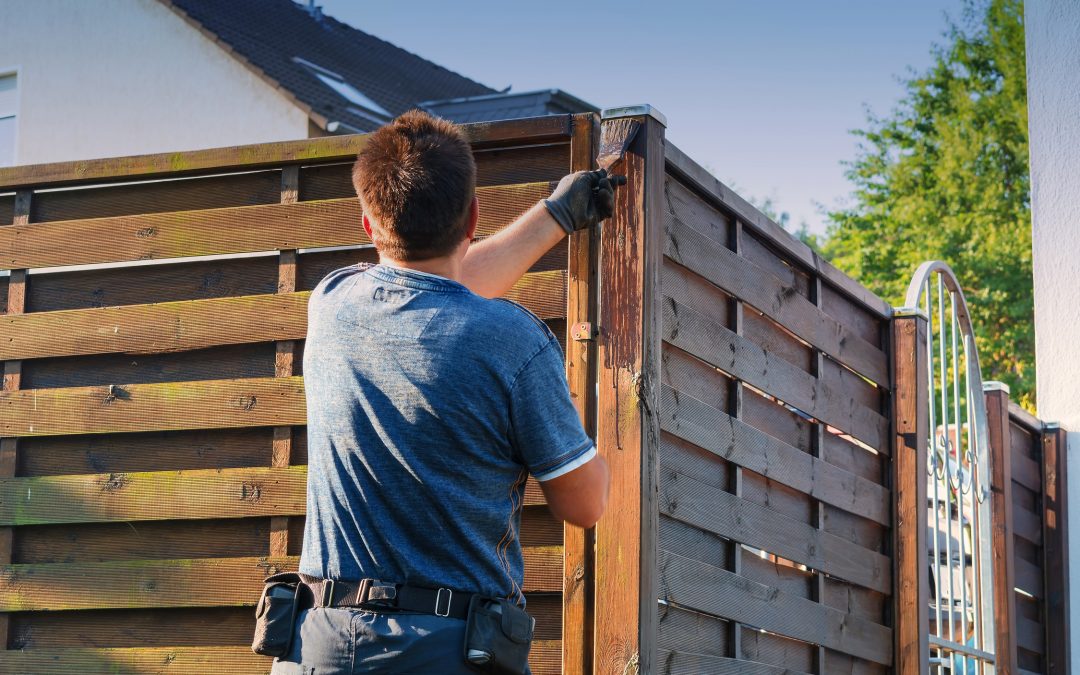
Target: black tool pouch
[[498, 635], [275, 615]]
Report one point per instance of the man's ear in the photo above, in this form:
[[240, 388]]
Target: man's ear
[[367, 228], [474, 217]]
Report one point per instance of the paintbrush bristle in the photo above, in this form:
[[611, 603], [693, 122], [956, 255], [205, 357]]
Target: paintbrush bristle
[[615, 138]]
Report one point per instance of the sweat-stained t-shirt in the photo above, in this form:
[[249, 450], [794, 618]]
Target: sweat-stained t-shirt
[[428, 406]]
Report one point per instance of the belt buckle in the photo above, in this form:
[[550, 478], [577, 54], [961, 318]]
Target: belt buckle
[[438, 600], [362, 592], [328, 593]]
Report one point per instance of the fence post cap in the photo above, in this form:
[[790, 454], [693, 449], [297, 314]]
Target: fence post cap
[[994, 385], [908, 312], [1051, 426], [642, 109]]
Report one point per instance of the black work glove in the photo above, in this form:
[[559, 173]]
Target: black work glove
[[583, 199]]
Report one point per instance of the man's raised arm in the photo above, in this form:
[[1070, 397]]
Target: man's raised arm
[[492, 266]]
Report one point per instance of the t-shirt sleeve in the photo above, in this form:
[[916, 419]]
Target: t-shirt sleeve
[[544, 426]]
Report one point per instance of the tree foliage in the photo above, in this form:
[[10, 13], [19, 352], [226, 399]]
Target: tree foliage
[[945, 176]]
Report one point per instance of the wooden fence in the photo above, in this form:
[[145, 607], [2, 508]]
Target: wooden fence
[[1030, 461], [750, 399]]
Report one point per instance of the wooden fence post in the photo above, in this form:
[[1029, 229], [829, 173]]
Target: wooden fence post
[[581, 374], [628, 423], [1055, 548], [911, 436], [997, 422]]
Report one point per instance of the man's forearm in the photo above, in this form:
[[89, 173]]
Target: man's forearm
[[492, 266]]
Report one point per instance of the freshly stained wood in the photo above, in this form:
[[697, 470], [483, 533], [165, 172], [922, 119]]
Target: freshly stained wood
[[784, 304], [211, 404], [263, 155], [242, 229], [153, 495], [210, 582], [713, 590], [715, 510], [736, 441], [688, 330]]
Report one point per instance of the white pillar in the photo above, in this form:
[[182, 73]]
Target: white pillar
[[1053, 71]]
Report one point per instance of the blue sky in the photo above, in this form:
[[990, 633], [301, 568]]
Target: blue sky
[[762, 92]]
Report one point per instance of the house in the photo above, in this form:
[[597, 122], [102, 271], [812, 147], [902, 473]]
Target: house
[[1052, 29], [121, 77]]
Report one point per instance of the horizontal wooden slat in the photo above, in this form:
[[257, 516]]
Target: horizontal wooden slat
[[135, 660], [736, 441], [1027, 525], [1026, 471], [263, 155], [1022, 418], [734, 354], [544, 658], [163, 495], [209, 582], [155, 328], [1030, 635], [687, 663], [196, 324], [242, 229], [710, 589], [757, 287], [1028, 577], [153, 495], [723, 513], [213, 404], [696, 175]]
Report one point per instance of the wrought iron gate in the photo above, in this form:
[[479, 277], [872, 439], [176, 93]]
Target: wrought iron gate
[[958, 541]]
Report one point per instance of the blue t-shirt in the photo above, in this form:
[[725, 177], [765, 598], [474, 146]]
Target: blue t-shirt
[[428, 406]]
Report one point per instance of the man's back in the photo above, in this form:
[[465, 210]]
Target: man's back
[[428, 406]]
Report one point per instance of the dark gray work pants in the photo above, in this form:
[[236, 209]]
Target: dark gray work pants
[[346, 641]]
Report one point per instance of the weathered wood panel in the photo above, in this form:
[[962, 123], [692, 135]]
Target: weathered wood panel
[[713, 590], [250, 157], [332, 222], [738, 442], [153, 407], [195, 324], [687, 329], [156, 495], [698, 504], [212, 582], [740, 277]]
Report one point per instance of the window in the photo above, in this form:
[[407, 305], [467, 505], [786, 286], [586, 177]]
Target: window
[[343, 88], [7, 119]]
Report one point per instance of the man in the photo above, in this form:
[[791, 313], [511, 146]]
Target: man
[[429, 404]]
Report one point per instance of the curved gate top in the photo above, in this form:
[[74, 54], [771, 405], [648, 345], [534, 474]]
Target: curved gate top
[[957, 465]]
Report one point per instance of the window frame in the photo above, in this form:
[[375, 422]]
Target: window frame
[[16, 71]]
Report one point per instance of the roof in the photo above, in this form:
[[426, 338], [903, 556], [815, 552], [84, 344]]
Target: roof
[[503, 106], [290, 47]]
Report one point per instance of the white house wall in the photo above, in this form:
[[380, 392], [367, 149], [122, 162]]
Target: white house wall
[[1053, 53], [121, 77]]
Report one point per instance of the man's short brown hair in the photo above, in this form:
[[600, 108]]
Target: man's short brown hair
[[416, 177]]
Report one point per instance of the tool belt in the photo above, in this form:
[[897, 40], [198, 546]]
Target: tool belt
[[381, 595]]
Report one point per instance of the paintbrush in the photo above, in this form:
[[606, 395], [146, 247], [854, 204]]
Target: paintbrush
[[615, 137]]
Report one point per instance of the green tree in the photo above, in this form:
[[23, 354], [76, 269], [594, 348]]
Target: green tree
[[945, 176]]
